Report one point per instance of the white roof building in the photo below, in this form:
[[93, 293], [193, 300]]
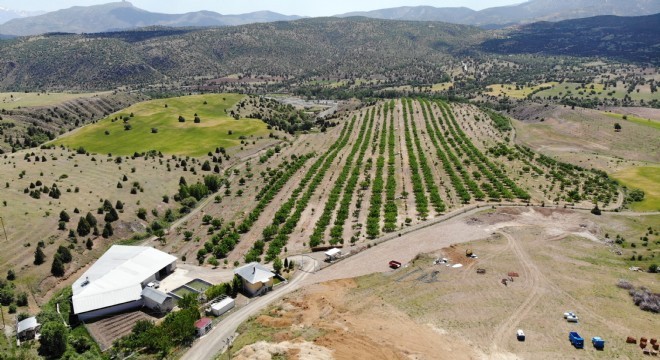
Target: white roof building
[[118, 277], [256, 278]]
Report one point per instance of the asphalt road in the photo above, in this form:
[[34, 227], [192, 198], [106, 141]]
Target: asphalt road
[[213, 343]]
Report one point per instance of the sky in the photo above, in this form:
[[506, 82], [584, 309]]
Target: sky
[[287, 7]]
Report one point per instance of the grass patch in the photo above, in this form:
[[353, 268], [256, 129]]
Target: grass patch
[[646, 178], [511, 91], [172, 136], [635, 119]]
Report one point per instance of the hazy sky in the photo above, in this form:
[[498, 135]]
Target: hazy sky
[[288, 7]]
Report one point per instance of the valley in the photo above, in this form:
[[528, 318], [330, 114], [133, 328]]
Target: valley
[[373, 185]]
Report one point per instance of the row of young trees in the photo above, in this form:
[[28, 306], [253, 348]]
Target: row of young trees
[[427, 173], [277, 234], [421, 202], [376, 202], [282, 237], [390, 209], [482, 159], [449, 160], [333, 197], [337, 231]]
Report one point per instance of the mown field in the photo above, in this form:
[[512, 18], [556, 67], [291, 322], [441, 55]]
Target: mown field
[[636, 119], [155, 125], [646, 178]]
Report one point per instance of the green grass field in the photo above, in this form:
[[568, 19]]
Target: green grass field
[[511, 91], [172, 137], [637, 120], [13, 100], [646, 178]]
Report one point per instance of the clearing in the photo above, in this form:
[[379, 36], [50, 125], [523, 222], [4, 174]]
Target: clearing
[[647, 179], [155, 125]]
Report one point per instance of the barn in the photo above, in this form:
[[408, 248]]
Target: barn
[[115, 282]]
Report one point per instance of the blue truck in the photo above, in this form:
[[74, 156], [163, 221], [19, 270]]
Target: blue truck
[[576, 339], [598, 342]]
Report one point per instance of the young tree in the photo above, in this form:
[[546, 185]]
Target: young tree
[[57, 269], [53, 339], [83, 227], [111, 215], [65, 254], [91, 220], [39, 256], [107, 230], [64, 216], [11, 275], [617, 127], [277, 265], [89, 244]]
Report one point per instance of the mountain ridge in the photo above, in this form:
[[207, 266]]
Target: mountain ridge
[[527, 12], [118, 16]]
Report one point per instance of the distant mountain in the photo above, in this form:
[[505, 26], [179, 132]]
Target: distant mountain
[[527, 12], [8, 14], [319, 47], [629, 38], [122, 16]]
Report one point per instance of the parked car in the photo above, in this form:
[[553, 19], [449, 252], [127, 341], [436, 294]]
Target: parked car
[[520, 335], [395, 264]]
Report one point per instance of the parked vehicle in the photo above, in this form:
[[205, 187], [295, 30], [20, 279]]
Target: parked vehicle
[[598, 342], [576, 340], [573, 319], [395, 264], [568, 313], [520, 335]]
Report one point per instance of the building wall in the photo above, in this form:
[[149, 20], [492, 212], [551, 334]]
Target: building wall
[[165, 307], [90, 315], [252, 289]]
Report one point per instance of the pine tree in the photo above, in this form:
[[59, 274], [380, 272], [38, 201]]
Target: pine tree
[[89, 244], [64, 216], [83, 226], [107, 230], [39, 256], [57, 269]]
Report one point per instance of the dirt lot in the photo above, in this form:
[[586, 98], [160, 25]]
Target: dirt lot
[[563, 265]]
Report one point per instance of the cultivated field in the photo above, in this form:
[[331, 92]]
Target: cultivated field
[[564, 264], [156, 125]]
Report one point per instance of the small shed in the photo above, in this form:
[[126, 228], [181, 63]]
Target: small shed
[[255, 278], [27, 329], [157, 300], [222, 306], [203, 326], [332, 254]]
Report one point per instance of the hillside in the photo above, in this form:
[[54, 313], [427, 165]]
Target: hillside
[[629, 38], [123, 15], [527, 12], [320, 47]]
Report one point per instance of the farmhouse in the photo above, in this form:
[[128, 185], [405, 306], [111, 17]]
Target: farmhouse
[[116, 281], [256, 279]]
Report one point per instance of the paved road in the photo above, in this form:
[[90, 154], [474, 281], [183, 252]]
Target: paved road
[[213, 343]]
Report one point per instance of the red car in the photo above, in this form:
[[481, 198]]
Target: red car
[[395, 264]]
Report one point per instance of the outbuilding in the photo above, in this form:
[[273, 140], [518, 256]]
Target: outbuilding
[[255, 278], [157, 300], [222, 306], [332, 254], [203, 326], [114, 283], [27, 329]]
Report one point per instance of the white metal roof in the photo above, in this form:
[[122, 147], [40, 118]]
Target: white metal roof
[[155, 295], [222, 303], [117, 277], [333, 252], [27, 324], [254, 273]]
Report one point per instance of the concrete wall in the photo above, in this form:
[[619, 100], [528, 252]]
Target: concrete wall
[[90, 315]]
